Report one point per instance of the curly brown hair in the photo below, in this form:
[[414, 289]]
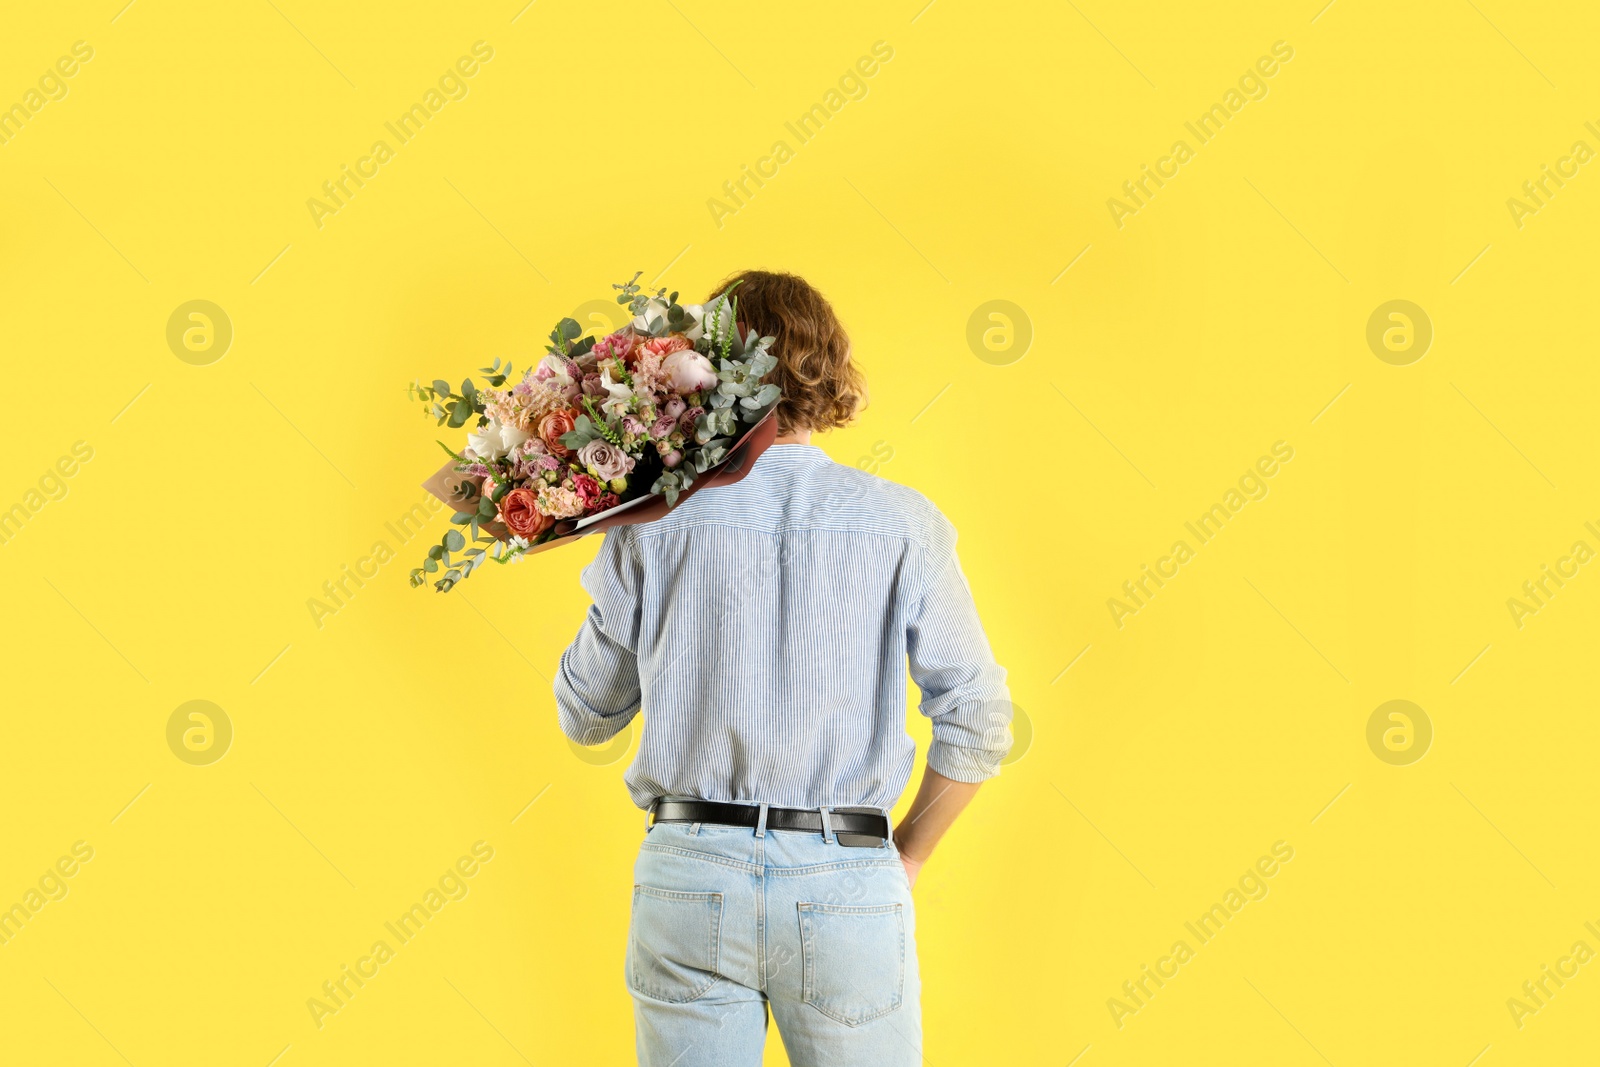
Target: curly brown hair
[[822, 386]]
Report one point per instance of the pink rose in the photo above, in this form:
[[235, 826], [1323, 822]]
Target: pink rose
[[663, 426], [687, 371], [689, 418], [671, 459], [606, 459], [675, 407]]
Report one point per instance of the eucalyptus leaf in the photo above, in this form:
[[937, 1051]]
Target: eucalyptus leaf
[[576, 439], [441, 387], [453, 540]]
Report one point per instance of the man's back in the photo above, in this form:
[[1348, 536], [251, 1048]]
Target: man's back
[[766, 626]]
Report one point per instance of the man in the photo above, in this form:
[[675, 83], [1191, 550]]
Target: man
[[764, 629]]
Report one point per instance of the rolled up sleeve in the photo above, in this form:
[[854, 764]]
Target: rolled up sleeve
[[597, 685], [963, 688]]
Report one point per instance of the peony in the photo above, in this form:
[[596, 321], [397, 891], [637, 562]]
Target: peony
[[552, 426], [687, 420], [676, 407], [605, 459], [688, 371], [671, 459], [519, 511]]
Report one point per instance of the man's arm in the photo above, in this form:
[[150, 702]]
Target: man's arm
[[597, 683], [963, 692], [939, 800]]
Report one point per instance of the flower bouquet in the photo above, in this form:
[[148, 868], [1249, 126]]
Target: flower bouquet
[[602, 431]]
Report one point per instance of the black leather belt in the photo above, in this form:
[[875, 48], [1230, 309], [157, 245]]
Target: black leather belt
[[853, 827]]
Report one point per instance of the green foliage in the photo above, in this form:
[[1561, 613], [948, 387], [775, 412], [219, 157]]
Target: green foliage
[[583, 431], [442, 405], [601, 427], [561, 338], [636, 296], [494, 376]]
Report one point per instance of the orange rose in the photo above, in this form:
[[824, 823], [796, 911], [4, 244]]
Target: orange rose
[[521, 517], [552, 426]]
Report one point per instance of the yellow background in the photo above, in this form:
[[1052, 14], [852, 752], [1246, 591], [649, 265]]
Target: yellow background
[[1229, 713]]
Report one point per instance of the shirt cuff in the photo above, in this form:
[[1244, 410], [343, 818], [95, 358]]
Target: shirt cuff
[[961, 764]]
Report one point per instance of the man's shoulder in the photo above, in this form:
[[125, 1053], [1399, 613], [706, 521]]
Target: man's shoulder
[[819, 493], [876, 501]]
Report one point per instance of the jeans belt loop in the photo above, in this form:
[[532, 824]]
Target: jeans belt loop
[[827, 826], [761, 822]]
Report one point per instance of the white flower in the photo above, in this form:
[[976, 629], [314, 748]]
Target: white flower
[[494, 440], [481, 443], [511, 437], [618, 395], [689, 372], [694, 314]]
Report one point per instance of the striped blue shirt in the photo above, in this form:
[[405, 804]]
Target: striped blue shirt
[[764, 630]]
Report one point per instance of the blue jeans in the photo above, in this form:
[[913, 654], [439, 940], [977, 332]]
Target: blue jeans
[[729, 921]]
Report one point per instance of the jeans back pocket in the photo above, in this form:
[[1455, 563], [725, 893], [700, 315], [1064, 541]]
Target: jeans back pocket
[[673, 944], [853, 960]]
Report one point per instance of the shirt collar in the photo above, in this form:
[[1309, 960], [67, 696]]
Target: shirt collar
[[792, 453]]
